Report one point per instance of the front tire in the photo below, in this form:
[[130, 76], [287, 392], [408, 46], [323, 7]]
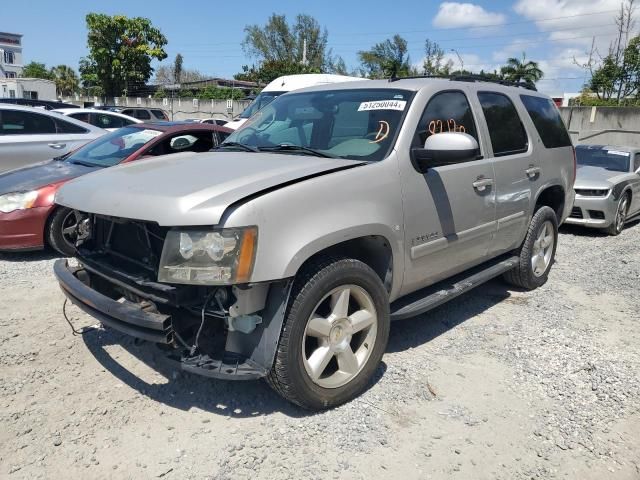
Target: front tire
[[621, 216], [334, 334], [61, 231], [537, 253]]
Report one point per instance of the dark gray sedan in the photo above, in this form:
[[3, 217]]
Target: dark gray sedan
[[607, 187]]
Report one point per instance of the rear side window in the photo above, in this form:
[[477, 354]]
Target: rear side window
[[15, 122], [66, 127], [546, 118], [104, 120], [445, 112], [159, 114], [141, 114], [506, 131], [636, 162]]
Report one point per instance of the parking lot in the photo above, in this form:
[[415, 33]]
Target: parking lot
[[497, 384]]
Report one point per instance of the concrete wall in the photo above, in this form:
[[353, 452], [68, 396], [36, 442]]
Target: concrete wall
[[603, 125], [177, 108]]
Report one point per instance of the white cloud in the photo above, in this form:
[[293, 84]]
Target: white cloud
[[453, 14]]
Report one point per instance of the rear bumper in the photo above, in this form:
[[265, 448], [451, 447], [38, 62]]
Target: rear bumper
[[126, 317], [23, 229]]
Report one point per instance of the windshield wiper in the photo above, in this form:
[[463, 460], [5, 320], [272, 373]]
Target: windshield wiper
[[86, 164], [297, 148], [246, 148]]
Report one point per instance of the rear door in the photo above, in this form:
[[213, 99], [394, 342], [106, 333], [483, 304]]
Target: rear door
[[450, 210], [517, 171], [25, 138]]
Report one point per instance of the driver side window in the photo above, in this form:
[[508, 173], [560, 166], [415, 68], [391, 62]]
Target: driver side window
[[445, 112]]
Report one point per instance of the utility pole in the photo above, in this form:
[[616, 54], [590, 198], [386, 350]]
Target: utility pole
[[459, 59], [304, 52]]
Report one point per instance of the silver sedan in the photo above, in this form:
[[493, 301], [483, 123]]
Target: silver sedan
[[607, 187]]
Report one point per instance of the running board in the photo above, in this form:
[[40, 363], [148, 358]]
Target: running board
[[435, 295]]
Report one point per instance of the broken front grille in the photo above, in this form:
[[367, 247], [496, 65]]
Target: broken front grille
[[132, 245]]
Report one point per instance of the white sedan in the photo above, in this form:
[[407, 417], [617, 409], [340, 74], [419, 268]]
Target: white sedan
[[99, 118], [29, 135]]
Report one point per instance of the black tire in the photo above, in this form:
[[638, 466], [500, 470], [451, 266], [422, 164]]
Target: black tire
[[288, 376], [621, 215], [523, 275], [57, 222]]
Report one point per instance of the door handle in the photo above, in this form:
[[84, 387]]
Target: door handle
[[532, 171], [481, 184], [58, 146]]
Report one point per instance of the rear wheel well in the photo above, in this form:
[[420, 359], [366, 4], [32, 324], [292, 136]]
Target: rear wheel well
[[373, 250], [552, 197]]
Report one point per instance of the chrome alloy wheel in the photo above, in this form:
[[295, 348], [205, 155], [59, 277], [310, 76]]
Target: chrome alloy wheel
[[542, 249], [339, 336], [621, 214]]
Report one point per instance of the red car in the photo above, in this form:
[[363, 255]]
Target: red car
[[29, 220]]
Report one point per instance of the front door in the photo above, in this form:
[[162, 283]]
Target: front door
[[449, 212]]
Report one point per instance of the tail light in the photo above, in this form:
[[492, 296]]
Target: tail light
[[575, 165]]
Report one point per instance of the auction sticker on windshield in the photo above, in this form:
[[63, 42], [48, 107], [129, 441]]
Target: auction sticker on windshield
[[382, 105]]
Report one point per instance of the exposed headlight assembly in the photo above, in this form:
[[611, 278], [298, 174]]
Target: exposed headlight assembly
[[17, 201], [200, 257]]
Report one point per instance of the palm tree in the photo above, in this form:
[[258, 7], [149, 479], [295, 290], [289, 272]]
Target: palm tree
[[517, 70], [66, 80]]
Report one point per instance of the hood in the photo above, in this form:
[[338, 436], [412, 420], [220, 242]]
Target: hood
[[185, 189], [588, 177], [41, 174]]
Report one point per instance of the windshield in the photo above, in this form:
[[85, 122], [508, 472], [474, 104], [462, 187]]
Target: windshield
[[355, 124], [614, 160], [261, 101], [114, 147]]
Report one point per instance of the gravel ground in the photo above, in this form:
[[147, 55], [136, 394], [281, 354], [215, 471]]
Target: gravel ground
[[499, 384]]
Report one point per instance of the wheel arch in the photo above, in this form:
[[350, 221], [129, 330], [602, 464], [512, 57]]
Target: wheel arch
[[375, 250], [552, 196]]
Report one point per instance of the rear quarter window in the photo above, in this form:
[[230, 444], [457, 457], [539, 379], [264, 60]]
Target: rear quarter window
[[547, 120]]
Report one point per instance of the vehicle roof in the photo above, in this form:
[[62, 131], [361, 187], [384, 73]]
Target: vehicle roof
[[51, 113], [67, 111], [295, 82], [173, 127], [415, 84], [623, 148]]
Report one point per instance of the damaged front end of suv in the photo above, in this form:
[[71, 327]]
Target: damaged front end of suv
[[185, 288]]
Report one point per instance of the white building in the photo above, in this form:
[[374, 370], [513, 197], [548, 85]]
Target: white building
[[11, 65], [10, 55], [32, 88]]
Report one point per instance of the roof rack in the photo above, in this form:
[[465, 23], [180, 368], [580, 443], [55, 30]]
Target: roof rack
[[471, 78]]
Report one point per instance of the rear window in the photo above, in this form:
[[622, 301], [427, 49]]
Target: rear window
[[507, 134], [546, 118]]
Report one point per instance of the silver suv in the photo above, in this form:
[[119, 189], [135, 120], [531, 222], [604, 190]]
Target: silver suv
[[335, 210]]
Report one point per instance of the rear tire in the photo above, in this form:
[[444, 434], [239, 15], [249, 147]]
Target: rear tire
[[621, 216], [334, 334], [537, 253], [62, 219]]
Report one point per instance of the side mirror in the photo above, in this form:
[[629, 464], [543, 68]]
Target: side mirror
[[446, 148]]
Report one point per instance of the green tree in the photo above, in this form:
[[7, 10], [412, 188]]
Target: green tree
[[120, 52], [517, 70], [386, 59], [617, 80], [66, 80], [302, 42], [433, 62], [36, 70], [272, 69], [177, 68]]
